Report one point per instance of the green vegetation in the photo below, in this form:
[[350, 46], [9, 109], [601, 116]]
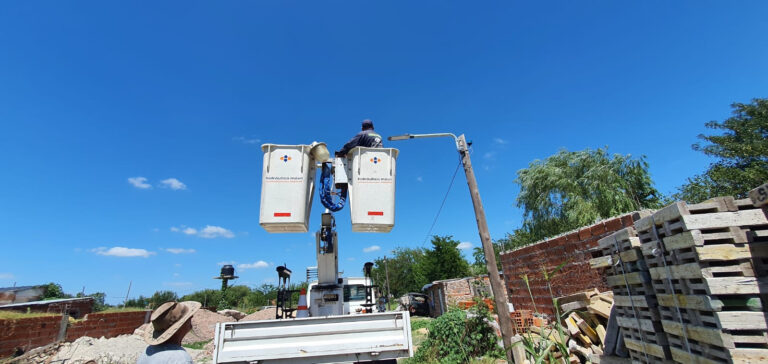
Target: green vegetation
[[12, 315], [199, 345], [573, 189], [553, 337], [53, 291], [241, 298], [456, 337], [412, 268], [741, 152]]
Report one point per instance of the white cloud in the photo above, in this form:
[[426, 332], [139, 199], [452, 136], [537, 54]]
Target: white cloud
[[489, 155], [210, 232], [245, 140], [351, 259], [6, 276], [119, 251], [372, 248], [419, 179], [139, 182], [500, 141], [228, 262], [175, 274], [255, 265], [177, 265], [464, 245], [173, 184], [155, 229], [180, 251]]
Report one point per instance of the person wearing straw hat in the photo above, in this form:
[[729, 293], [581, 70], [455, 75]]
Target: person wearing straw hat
[[170, 323]]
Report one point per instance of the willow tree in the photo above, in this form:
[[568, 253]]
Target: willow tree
[[573, 189]]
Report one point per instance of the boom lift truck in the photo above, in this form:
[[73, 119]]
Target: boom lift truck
[[367, 175]]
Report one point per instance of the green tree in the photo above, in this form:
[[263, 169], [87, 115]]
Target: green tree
[[406, 271], [161, 297], [54, 291], [99, 300], [741, 152], [206, 297], [444, 260], [140, 302], [572, 189]]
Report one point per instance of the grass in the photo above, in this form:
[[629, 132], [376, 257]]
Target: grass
[[12, 315], [416, 324], [197, 345]]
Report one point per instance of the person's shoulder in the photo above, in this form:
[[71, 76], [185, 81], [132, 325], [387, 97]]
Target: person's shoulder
[[174, 354]]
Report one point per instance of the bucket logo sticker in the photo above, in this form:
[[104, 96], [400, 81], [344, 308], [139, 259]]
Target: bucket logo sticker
[[375, 160], [285, 158]]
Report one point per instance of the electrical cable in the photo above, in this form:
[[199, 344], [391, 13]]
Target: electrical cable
[[441, 204]]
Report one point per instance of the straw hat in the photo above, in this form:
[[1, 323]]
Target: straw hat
[[168, 319]]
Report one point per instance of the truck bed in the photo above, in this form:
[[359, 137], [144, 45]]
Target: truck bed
[[330, 339]]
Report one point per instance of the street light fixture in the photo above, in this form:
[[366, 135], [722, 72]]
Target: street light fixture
[[499, 293]]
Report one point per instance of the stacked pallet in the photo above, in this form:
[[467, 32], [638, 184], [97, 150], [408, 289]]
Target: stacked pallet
[[707, 265], [635, 303]]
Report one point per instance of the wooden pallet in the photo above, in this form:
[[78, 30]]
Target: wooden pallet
[[701, 352], [641, 342]]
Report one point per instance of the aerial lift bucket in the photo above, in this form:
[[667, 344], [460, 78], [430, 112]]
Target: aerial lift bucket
[[287, 187], [371, 173]]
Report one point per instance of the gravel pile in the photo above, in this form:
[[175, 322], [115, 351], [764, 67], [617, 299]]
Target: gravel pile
[[124, 349], [204, 326], [266, 314]]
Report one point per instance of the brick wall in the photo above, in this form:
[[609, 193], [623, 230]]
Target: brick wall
[[106, 324], [447, 293], [575, 247], [28, 333]]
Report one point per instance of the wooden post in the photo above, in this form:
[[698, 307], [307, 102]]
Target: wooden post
[[499, 293], [386, 274]]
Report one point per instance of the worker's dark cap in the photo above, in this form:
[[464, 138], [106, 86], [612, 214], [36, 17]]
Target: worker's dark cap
[[367, 124]]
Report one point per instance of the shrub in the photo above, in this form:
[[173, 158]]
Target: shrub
[[456, 337]]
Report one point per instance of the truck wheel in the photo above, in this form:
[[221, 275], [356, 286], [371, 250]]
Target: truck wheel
[[412, 310]]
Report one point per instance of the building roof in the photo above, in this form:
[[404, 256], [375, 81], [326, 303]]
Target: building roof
[[47, 302]]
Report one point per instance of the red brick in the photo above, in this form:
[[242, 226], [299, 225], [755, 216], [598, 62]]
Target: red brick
[[613, 225], [597, 229], [627, 220], [584, 234]]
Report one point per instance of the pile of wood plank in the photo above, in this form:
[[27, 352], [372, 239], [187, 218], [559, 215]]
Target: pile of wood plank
[[584, 319], [689, 282]]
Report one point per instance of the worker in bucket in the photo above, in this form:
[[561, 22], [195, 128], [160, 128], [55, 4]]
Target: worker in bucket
[[170, 323], [366, 138]]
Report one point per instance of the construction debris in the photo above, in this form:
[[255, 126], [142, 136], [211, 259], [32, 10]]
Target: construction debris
[[585, 316], [124, 349]]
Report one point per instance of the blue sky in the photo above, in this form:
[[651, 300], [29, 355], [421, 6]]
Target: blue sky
[[93, 93]]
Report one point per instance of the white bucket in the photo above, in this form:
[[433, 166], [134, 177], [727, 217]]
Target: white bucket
[[372, 188], [287, 188]]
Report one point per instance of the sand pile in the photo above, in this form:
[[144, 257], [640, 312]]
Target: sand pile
[[124, 349], [265, 314], [204, 326]]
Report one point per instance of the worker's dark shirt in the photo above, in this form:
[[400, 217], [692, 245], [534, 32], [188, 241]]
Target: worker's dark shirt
[[366, 138]]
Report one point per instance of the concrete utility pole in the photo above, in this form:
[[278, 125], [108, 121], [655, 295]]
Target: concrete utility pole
[[514, 354]]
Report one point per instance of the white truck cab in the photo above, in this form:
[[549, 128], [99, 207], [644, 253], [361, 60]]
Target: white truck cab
[[352, 296]]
